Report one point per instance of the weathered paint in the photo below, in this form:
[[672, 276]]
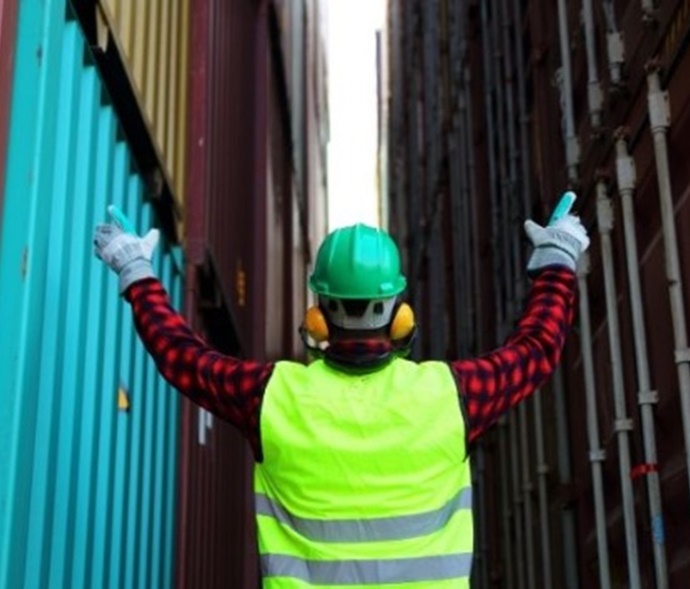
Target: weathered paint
[[88, 491]]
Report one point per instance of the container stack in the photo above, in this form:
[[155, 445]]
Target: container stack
[[493, 109], [208, 120]]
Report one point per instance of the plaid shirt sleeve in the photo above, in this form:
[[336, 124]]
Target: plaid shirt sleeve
[[228, 387], [497, 381]]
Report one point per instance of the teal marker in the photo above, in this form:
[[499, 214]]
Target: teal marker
[[121, 219], [563, 207]]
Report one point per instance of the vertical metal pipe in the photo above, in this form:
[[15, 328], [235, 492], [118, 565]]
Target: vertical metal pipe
[[491, 155], [455, 175], [615, 49], [503, 179], [660, 120], [509, 575], [480, 565], [474, 216], [514, 457], [466, 230], [455, 53], [526, 498], [623, 425], [570, 579], [596, 453], [625, 168], [490, 90], [542, 473], [526, 174], [594, 94], [522, 110], [516, 215], [572, 146], [509, 258]]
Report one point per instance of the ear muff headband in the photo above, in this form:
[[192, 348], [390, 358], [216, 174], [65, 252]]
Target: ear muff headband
[[403, 323]]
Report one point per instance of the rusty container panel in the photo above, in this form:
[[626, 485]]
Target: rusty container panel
[[228, 159], [216, 541], [153, 41], [249, 213], [247, 255], [8, 23]]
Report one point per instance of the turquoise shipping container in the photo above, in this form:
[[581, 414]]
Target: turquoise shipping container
[[88, 429]]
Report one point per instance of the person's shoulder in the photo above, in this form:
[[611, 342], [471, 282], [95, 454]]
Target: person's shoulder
[[405, 364]]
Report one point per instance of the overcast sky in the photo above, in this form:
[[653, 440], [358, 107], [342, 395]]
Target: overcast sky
[[352, 94]]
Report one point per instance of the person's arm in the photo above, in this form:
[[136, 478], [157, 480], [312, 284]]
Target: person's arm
[[493, 383], [228, 387]]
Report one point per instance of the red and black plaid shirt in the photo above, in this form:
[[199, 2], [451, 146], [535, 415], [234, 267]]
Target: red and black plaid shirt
[[233, 389]]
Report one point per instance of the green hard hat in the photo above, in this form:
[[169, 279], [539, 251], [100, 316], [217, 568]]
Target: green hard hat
[[357, 262]]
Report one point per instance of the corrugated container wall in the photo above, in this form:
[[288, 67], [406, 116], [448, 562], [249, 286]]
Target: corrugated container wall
[[495, 108], [88, 430], [252, 221]]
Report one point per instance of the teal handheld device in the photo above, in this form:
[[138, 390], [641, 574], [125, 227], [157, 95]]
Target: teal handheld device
[[563, 207], [121, 219]]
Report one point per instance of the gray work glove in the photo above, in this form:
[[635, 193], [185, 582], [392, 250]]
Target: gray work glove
[[558, 244], [126, 253]]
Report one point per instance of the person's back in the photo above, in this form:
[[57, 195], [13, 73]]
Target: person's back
[[365, 478], [362, 473]]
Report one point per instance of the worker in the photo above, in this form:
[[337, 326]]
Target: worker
[[362, 476]]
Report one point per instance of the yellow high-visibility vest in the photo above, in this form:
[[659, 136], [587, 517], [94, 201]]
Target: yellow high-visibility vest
[[365, 480]]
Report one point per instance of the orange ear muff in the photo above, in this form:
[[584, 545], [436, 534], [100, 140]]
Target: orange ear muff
[[315, 324], [403, 323]]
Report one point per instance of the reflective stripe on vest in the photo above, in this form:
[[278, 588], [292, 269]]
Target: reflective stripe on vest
[[369, 530], [369, 572], [365, 479]]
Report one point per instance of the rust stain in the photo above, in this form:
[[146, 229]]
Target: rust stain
[[24, 267], [123, 403], [241, 284]]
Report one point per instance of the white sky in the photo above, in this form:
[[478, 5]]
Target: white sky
[[353, 102]]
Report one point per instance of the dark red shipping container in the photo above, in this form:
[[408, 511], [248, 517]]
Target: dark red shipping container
[[250, 234]]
